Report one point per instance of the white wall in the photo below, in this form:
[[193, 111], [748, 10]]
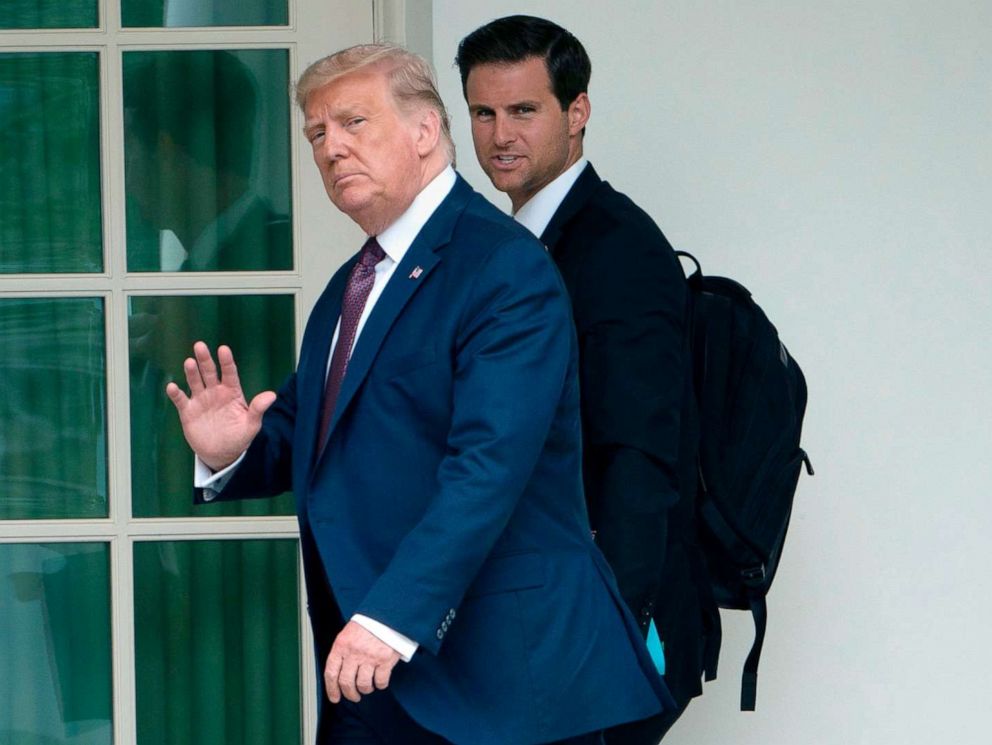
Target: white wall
[[836, 157]]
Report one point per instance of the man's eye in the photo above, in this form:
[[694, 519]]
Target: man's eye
[[315, 137], [523, 110], [355, 121], [483, 114]]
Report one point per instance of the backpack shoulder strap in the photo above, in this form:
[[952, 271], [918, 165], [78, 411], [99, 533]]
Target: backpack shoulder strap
[[749, 679]]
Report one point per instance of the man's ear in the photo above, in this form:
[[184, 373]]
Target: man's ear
[[578, 114], [428, 132]]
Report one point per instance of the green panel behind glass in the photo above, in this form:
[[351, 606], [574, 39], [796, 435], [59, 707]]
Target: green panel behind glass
[[50, 163], [260, 331], [206, 144], [53, 394], [29, 14], [204, 13], [55, 663], [217, 642]]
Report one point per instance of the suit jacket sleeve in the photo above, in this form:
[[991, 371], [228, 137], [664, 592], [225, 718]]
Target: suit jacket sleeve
[[511, 358], [267, 467], [630, 305]]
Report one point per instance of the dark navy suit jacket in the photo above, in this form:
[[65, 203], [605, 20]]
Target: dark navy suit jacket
[[629, 298], [447, 502]]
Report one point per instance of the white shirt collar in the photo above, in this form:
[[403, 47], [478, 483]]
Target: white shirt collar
[[540, 208], [397, 238]]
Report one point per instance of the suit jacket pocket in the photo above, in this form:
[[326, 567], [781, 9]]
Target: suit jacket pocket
[[519, 571], [395, 365]]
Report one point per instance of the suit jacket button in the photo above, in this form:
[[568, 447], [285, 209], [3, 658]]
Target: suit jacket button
[[440, 634]]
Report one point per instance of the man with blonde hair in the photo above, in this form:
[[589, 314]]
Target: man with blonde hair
[[431, 436], [411, 81]]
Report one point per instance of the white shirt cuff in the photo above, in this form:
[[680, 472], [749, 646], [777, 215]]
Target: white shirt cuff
[[213, 483], [402, 644]]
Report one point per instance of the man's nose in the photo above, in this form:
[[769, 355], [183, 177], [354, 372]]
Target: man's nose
[[503, 131], [332, 146]]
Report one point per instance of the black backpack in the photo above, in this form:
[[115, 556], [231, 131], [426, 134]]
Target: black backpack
[[751, 396]]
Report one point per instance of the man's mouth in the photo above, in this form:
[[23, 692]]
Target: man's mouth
[[505, 160]]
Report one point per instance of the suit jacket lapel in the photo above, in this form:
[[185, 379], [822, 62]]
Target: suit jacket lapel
[[397, 293], [574, 202]]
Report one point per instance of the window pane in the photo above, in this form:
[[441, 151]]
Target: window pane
[[55, 674], [207, 160], [50, 163], [258, 328], [48, 14], [204, 13], [217, 642], [53, 441]]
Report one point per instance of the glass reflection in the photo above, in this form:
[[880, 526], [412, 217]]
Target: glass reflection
[[55, 664], [50, 163], [48, 14], [217, 642], [53, 447], [185, 13], [162, 329], [207, 160]]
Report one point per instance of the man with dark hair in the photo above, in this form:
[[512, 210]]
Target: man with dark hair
[[431, 436], [526, 80]]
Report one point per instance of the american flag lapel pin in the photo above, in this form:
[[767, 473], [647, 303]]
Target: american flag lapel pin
[[417, 271]]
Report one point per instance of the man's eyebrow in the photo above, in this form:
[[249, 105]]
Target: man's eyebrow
[[511, 105], [340, 112], [312, 125]]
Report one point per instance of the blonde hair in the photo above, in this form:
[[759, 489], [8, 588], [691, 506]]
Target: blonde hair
[[411, 80]]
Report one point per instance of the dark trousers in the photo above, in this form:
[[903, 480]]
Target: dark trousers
[[646, 731], [378, 720]]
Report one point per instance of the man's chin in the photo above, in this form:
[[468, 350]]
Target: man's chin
[[503, 181], [351, 203]]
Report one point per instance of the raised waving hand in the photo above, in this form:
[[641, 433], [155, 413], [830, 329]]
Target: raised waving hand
[[217, 421]]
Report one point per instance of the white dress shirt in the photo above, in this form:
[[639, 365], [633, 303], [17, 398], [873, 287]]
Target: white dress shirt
[[540, 208], [395, 242]]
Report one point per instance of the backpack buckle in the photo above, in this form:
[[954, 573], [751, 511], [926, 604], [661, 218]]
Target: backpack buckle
[[753, 576]]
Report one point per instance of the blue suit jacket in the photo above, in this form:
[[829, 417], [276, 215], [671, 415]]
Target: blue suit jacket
[[447, 501]]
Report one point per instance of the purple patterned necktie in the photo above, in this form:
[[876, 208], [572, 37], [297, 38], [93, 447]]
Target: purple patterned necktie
[[356, 293]]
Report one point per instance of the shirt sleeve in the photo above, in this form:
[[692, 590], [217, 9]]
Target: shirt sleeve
[[211, 482], [402, 644]]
